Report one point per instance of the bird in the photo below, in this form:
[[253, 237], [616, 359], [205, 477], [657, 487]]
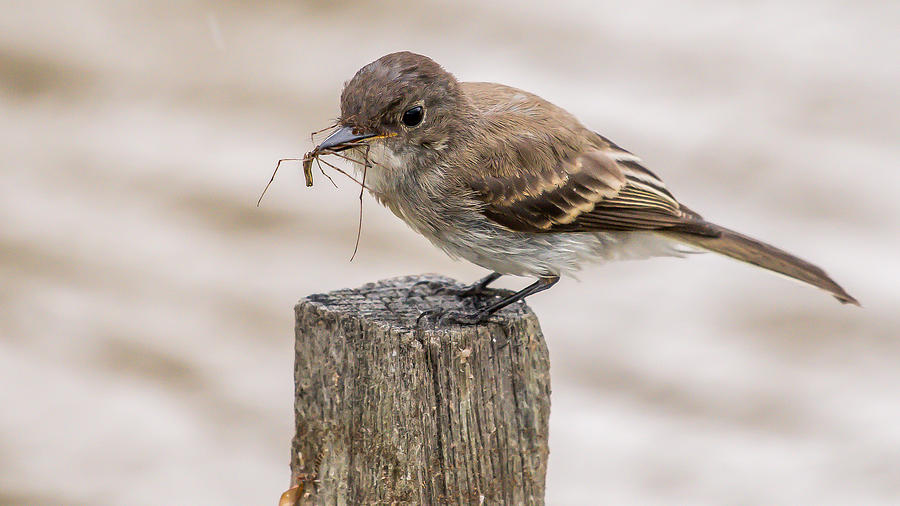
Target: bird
[[507, 180]]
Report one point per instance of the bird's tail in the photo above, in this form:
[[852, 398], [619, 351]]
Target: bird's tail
[[746, 249]]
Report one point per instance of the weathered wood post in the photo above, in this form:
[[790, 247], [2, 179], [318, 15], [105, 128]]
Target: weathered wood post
[[389, 412]]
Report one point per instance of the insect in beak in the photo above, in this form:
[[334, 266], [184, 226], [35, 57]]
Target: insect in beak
[[344, 138]]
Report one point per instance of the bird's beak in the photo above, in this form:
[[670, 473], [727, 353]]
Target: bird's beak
[[341, 140]]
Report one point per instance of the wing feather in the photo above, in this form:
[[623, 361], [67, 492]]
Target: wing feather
[[602, 189]]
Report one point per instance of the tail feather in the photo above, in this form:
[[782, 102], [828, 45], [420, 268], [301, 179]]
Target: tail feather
[[746, 249]]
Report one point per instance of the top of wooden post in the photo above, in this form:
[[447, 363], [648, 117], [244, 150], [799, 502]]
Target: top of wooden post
[[398, 302]]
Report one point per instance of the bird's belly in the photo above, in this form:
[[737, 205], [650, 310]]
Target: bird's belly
[[524, 254]]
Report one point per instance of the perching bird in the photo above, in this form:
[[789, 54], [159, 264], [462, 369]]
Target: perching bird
[[507, 180]]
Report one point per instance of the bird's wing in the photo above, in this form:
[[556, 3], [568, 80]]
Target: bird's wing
[[601, 189]]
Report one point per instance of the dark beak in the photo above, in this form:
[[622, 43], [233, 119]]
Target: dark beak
[[341, 140]]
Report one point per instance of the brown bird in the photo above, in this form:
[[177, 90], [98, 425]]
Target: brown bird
[[507, 180]]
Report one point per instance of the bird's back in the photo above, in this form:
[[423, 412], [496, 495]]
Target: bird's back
[[520, 128]]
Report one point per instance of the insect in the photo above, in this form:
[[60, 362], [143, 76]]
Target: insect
[[316, 155], [307, 167]]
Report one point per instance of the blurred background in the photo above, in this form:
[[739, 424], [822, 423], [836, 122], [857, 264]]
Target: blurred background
[[146, 325]]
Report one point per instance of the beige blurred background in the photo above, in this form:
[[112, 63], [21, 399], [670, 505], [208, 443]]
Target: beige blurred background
[[146, 325]]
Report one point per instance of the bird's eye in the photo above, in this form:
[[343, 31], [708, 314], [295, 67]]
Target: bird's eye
[[413, 116]]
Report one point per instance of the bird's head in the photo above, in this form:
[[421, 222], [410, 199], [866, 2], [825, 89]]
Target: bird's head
[[405, 101]]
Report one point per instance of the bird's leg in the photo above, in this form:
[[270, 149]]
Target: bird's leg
[[477, 288], [540, 285]]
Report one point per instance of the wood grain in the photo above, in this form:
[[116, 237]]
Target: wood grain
[[388, 412]]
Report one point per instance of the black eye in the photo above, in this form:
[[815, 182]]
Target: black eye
[[413, 116]]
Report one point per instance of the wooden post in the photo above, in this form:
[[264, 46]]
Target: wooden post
[[389, 412]]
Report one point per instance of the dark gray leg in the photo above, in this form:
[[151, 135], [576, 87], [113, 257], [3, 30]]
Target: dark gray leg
[[436, 315], [538, 286], [478, 287]]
